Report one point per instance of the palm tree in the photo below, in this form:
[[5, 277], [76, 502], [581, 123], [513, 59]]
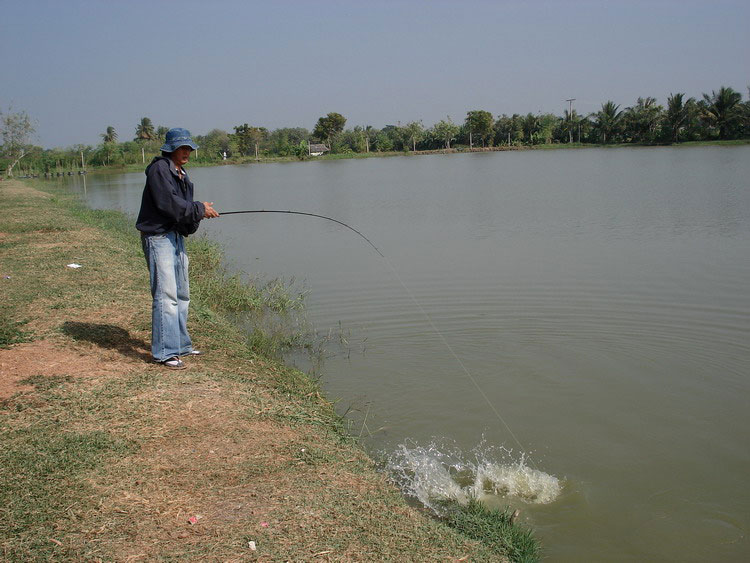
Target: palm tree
[[145, 130], [608, 120], [640, 122], [678, 114], [530, 125], [744, 113], [720, 109], [110, 136]]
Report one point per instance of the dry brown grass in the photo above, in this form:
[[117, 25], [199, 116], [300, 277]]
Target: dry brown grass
[[43, 358], [13, 189]]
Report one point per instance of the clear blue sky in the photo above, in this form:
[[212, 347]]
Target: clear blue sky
[[78, 66]]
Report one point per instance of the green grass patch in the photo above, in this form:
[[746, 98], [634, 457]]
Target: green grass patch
[[268, 344], [270, 312], [42, 486], [31, 226], [212, 284], [11, 331], [46, 382], [493, 527], [731, 142]]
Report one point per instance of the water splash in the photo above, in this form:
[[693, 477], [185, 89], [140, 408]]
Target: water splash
[[440, 472]]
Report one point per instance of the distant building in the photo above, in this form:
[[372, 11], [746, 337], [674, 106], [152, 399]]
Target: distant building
[[316, 149]]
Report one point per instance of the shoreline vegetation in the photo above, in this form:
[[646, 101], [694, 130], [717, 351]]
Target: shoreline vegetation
[[107, 456], [241, 160], [721, 116]]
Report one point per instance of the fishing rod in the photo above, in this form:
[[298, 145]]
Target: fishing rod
[[308, 215], [416, 303]]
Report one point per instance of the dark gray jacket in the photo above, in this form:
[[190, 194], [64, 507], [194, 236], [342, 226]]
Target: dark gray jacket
[[167, 203]]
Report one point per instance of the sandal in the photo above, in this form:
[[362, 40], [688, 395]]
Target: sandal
[[194, 353], [172, 363]]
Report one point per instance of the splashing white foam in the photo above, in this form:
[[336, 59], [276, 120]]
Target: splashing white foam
[[517, 480], [439, 473]]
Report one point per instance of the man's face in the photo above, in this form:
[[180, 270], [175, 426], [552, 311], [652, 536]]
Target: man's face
[[181, 155]]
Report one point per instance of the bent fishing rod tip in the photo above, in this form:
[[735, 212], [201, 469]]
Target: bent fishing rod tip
[[307, 215]]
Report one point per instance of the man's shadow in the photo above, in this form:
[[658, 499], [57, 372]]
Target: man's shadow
[[108, 336]]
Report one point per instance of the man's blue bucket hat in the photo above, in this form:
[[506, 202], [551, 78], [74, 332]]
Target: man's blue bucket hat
[[176, 138]]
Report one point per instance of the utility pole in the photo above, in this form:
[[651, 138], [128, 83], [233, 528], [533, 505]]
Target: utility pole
[[570, 118]]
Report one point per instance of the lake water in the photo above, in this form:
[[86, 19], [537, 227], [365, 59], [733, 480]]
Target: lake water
[[564, 331]]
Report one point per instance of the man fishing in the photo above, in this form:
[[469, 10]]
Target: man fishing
[[168, 214]]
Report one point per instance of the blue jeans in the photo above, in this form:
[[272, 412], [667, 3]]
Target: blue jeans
[[168, 268]]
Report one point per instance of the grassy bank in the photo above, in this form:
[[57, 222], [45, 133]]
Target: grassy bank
[[107, 457]]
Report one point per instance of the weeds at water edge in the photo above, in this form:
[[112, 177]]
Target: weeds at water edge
[[494, 528]]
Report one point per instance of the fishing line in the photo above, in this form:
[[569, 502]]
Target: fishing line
[[460, 362], [416, 303]]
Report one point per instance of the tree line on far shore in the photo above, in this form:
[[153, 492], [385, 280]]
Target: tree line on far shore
[[720, 115]]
